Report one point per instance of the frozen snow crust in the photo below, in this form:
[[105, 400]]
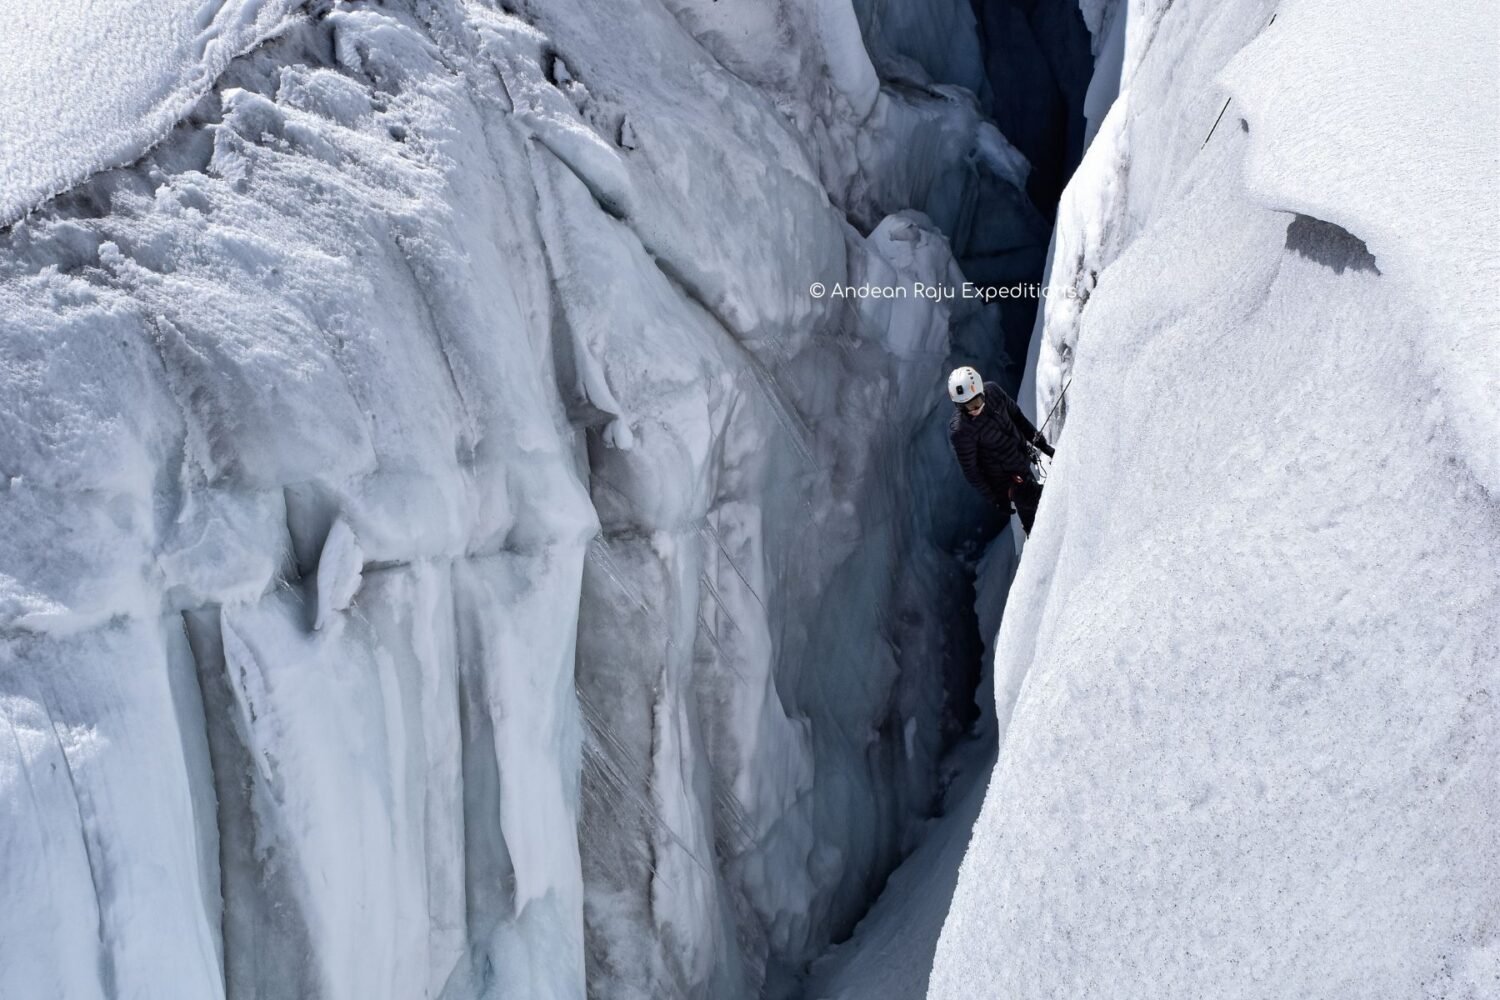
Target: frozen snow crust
[[447, 553], [1253, 649], [85, 85]]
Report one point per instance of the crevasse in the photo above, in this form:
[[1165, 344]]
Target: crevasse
[[449, 552]]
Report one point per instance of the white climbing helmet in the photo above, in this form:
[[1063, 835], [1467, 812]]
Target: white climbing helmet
[[964, 384]]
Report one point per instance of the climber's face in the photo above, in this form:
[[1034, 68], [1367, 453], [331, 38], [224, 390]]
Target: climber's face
[[974, 406]]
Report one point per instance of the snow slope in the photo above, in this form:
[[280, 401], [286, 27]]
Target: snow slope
[[447, 550], [1255, 635], [85, 86]]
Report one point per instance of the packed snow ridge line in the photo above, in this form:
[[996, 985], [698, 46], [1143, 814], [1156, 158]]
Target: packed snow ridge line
[[85, 87]]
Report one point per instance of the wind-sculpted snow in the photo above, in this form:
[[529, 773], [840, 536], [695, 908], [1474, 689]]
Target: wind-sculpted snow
[[1254, 637], [85, 86], [448, 553], [1430, 217]]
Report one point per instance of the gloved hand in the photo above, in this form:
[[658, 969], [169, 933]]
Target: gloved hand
[[1043, 447]]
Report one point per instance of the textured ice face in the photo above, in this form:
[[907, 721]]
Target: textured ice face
[[446, 546]]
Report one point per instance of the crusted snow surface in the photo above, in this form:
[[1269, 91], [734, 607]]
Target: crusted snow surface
[[84, 86], [1430, 217], [448, 552], [1254, 637]]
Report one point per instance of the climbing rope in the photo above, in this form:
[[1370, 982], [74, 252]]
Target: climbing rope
[[1055, 403], [1036, 456]]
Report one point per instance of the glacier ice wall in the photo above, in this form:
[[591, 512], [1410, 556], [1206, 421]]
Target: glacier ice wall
[[1247, 668], [448, 552]]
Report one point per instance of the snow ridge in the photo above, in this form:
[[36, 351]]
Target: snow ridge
[[84, 87], [1253, 639]]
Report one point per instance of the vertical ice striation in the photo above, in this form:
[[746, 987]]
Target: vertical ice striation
[[449, 553]]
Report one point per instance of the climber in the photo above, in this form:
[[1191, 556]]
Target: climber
[[994, 443]]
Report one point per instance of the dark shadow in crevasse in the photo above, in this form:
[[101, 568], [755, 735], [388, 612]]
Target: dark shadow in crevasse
[[1038, 59], [1332, 246]]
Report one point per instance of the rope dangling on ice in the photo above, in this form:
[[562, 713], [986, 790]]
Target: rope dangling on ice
[[1055, 403]]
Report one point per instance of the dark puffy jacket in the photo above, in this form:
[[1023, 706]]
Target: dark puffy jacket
[[991, 447]]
